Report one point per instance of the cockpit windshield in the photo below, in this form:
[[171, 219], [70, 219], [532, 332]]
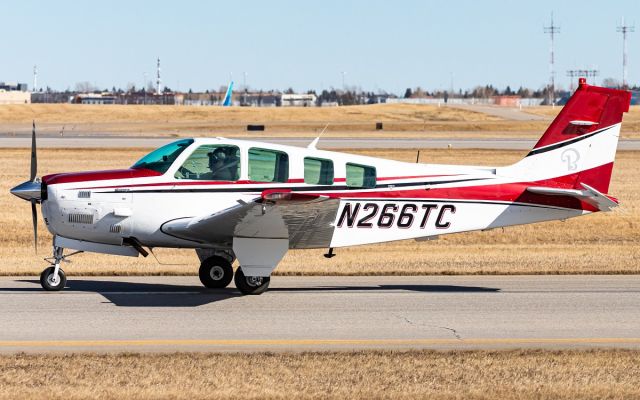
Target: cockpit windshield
[[161, 159]]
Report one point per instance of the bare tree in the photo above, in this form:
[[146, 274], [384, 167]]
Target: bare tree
[[85, 87], [611, 82]]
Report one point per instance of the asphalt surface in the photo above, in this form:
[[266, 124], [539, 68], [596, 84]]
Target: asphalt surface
[[325, 143], [321, 313]]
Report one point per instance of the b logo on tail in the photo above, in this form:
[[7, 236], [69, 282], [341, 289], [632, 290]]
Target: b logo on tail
[[571, 157]]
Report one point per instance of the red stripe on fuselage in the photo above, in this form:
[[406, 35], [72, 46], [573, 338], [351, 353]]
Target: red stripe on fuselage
[[90, 176], [212, 183]]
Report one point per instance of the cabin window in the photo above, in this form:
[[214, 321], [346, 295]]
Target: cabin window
[[268, 165], [361, 176], [211, 162], [318, 171], [161, 159]]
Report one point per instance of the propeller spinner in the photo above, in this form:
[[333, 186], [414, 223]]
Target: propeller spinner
[[30, 190]]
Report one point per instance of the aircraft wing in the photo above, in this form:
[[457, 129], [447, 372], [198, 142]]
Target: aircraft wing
[[306, 220], [590, 195]]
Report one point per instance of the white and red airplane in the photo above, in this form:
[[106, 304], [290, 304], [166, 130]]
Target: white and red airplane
[[253, 201]]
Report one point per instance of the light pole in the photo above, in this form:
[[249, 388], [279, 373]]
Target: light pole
[[244, 86], [144, 87]]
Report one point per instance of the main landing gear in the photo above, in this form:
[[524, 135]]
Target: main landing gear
[[216, 272], [251, 284]]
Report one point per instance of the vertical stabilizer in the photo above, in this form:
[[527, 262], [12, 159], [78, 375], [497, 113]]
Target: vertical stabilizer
[[228, 96], [579, 146]]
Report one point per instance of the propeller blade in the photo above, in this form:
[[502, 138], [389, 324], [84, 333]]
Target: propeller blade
[[34, 217], [34, 157]]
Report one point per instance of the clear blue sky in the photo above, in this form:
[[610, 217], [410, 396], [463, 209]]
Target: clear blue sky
[[380, 44]]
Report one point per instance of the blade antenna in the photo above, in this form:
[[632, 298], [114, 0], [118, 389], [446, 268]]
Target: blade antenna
[[314, 142], [34, 157]]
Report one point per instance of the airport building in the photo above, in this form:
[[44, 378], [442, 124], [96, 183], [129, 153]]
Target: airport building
[[298, 100], [94, 98], [14, 93]]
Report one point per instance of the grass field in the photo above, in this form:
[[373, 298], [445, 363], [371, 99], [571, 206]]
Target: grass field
[[601, 243], [400, 120], [514, 374]]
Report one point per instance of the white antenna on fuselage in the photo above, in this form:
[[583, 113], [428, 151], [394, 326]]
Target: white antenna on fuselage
[[314, 142]]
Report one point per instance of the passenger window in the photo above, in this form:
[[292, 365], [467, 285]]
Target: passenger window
[[318, 171], [268, 165], [212, 162], [361, 176]]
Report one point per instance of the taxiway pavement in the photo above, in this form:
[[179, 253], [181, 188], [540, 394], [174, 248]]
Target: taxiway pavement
[[321, 313]]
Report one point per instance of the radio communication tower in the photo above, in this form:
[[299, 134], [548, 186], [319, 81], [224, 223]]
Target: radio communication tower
[[552, 30], [625, 30]]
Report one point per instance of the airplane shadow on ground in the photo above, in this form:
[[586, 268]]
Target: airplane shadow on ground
[[137, 294]]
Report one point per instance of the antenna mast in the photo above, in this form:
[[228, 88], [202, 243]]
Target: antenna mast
[[625, 30], [552, 30], [158, 81], [35, 78]]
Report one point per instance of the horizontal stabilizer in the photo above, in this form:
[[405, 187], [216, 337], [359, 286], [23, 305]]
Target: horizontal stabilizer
[[590, 195]]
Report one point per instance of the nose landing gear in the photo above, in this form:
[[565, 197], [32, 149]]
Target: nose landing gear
[[53, 278]]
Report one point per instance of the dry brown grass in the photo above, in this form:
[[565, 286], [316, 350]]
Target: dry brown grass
[[82, 113], [601, 243], [515, 374], [400, 120]]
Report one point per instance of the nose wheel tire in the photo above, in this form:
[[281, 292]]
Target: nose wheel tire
[[215, 272], [251, 284], [53, 283]]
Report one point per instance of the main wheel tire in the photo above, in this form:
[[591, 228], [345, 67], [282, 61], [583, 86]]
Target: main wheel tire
[[49, 284], [251, 284], [216, 272]]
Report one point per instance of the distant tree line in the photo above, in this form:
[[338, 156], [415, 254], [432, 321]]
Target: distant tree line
[[486, 91], [347, 96]]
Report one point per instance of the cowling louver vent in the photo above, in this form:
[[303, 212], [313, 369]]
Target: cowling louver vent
[[115, 228], [84, 194], [81, 218]]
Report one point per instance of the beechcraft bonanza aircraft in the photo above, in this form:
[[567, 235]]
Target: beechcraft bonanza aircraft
[[253, 201]]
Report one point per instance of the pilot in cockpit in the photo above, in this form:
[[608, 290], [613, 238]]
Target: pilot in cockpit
[[220, 166]]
